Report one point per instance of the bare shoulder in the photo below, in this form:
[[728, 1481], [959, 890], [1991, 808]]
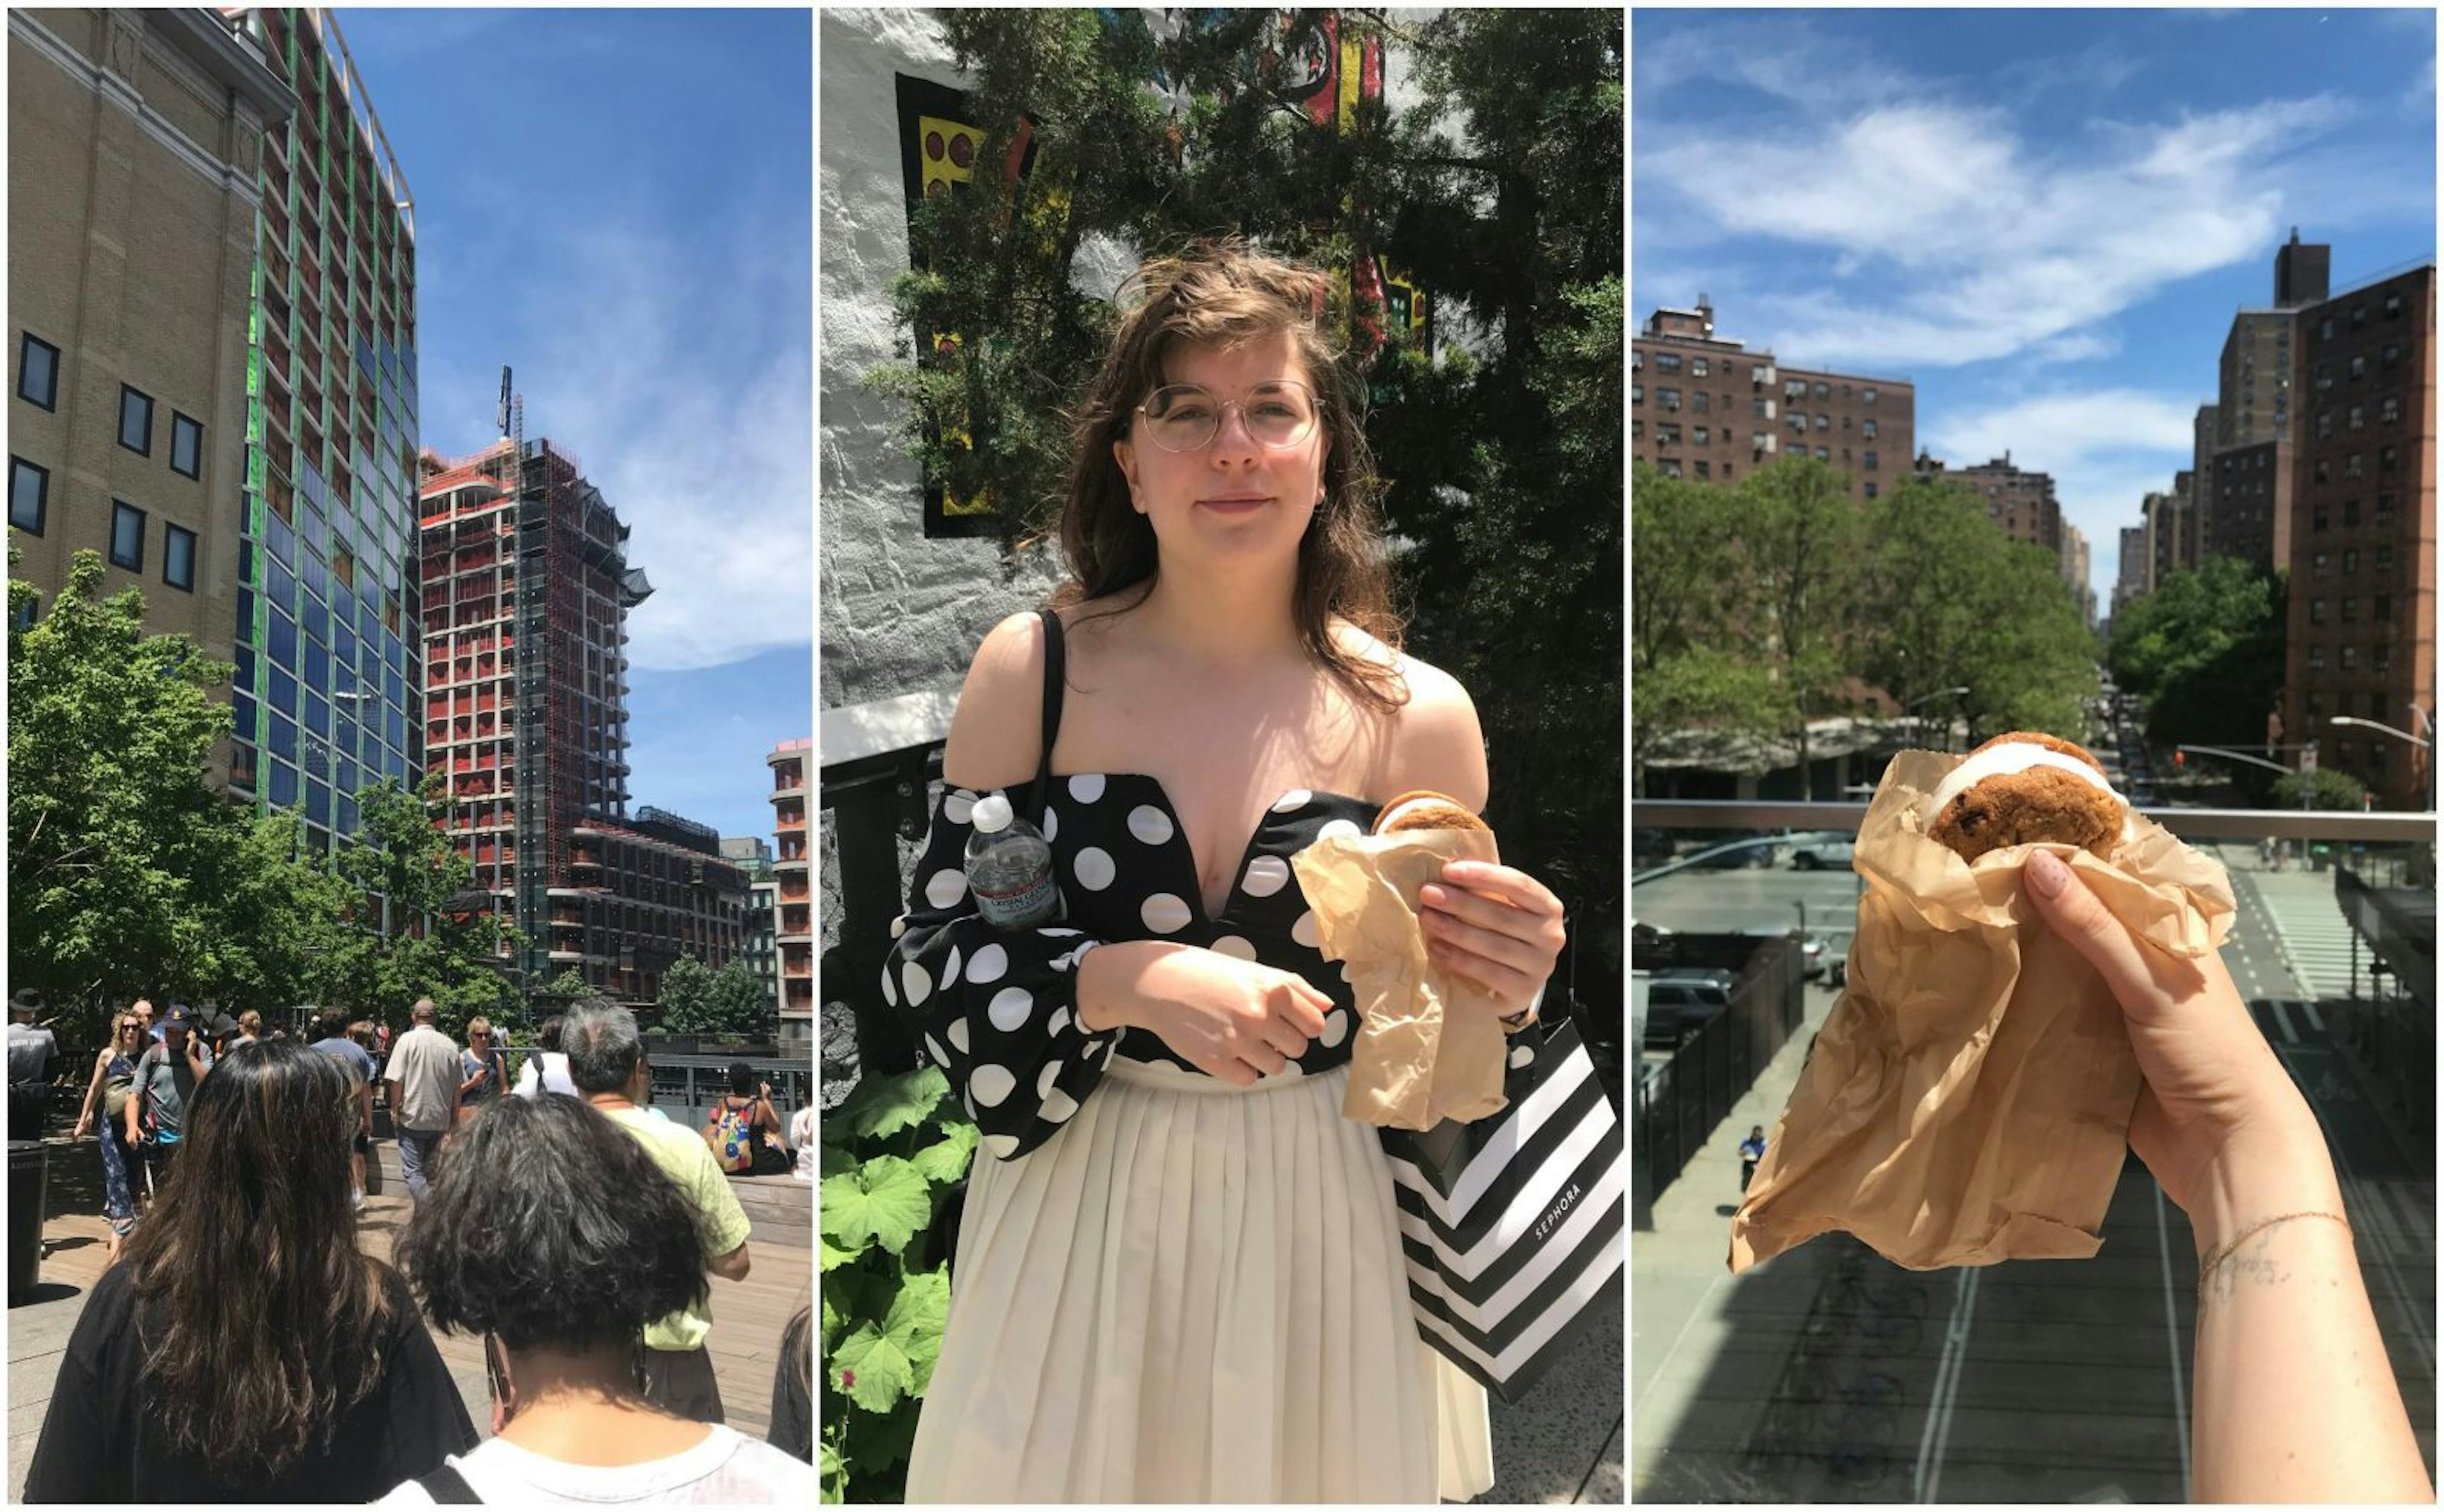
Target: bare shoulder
[[1436, 741], [998, 725]]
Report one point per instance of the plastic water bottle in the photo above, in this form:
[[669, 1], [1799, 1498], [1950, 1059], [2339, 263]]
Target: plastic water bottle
[[1009, 868]]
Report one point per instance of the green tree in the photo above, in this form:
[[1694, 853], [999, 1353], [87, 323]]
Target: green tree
[[686, 995], [2326, 787], [421, 929], [2205, 651], [284, 921], [1802, 536], [731, 1003], [1690, 662], [111, 829]]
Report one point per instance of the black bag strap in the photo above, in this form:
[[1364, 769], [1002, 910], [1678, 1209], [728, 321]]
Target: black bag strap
[[449, 1488], [1055, 682]]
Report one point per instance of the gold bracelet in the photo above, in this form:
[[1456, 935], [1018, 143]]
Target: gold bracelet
[[2223, 1251]]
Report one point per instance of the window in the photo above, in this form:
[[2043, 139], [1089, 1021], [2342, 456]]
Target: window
[[186, 445], [135, 420], [2325, 423], [2358, 366], [2316, 658], [1669, 467], [1798, 421], [1824, 422], [2358, 417], [2350, 559], [2384, 509], [1824, 390], [1702, 468], [2316, 611], [1697, 401], [2350, 610], [2389, 408], [1866, 395], [38, 372], [1638, 394], [1822, 455], [1762, 409], [126, 536], [1794, 388], [2324, 378], [1667, 361], [2388, 459], [2315, 707], [2381, 656], [1868, 461], [2384, 608], [30, 495], [1668, 399], [2391, 356], [1637, 430], [1702, 433], [1667, 434], [1867, 430], [2322, 517], [1871, 487], [2320, 563], [1637, 358], [1759, 373], [2385, 558], [178, 557], [2355, 465], [1697, 367], [1726, 472], [2392, 307], [2325, 473], [2359, 316], [2325, 329]]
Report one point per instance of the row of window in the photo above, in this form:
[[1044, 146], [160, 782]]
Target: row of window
[[1673, 467], [2380, 659], [2388, 411], [2359, 316], [2321, 516], [2383, 607], [2388, 358], [30, 500], [2323, 560], [38, 384], [2388, 459]]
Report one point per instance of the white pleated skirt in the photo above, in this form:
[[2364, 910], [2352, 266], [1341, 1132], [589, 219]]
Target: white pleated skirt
[[1192, 1292]]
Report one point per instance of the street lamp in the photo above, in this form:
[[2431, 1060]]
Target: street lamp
[[2402, 734], [1916, 730]]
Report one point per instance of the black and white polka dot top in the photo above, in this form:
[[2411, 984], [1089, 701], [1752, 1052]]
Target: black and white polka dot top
[[997, 1009]]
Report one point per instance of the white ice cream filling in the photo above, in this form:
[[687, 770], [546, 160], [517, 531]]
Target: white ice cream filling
[[1402, 809], [2004, 760]]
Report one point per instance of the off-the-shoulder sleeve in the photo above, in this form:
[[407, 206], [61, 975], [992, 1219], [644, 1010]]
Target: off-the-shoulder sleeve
[[996, 1008]]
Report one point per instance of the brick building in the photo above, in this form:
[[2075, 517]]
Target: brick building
[[2021, 502], [2363, 539], [1707, 408], [793, 899]]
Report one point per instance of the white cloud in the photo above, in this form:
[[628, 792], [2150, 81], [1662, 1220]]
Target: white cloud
[[688, 399], [1921, 231]]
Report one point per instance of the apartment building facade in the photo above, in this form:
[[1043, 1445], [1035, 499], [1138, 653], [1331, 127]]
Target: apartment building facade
[[1706, 408], [2361, 641], [136, 148], [2020, 502], [752, 854]]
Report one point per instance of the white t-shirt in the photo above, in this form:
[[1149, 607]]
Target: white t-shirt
[[727, 1469], [554, 1078], [802, 1138]]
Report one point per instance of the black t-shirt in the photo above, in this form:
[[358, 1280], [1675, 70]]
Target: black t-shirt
[[102, 1439]]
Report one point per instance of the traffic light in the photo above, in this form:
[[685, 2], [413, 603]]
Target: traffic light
[[2180, 758]]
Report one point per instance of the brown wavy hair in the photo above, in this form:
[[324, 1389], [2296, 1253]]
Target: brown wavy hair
[[1222, 294], [262, 1321]]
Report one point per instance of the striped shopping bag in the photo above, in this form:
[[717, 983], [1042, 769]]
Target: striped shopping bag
[[1514, 1224]]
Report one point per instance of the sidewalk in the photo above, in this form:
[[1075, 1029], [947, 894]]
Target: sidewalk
[[749, 1315]]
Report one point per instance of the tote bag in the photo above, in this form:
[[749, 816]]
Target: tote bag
[[1514, 1225]]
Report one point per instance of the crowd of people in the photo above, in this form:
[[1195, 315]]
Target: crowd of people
[[560, 1219]]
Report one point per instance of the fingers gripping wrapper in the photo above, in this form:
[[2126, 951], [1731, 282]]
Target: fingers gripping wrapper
[[1969, 1099], [1430, 1044]]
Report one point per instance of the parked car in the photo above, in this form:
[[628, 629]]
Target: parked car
[[1738, 855], [1816, 852], [1650, 847]]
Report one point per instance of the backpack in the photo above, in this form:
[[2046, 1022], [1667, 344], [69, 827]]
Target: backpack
[[732, 1139]]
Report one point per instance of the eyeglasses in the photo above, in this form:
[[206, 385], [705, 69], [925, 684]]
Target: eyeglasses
[[1186, 416]]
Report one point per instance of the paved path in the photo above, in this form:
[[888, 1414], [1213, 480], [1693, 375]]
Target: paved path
[[749, 1315]]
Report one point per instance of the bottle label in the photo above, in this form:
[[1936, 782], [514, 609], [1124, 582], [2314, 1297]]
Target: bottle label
[[1031, 903]]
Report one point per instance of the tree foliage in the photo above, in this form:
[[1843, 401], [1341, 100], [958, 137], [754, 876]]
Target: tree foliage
[[2325, 786], [730, 1005], [1500, 193], [2205, 652]]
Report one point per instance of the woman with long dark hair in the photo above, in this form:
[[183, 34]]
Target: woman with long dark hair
[[244, 1349], [551, 1233], [1179, 1267]]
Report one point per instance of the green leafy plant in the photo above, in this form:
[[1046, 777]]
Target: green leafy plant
[[891, 1155]]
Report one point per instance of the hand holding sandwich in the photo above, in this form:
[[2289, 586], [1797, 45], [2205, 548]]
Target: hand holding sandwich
[[1494, 925]]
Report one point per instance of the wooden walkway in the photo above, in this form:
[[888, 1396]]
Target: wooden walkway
[[747, 1317]]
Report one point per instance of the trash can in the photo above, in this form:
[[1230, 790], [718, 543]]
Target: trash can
[[28, 1171]]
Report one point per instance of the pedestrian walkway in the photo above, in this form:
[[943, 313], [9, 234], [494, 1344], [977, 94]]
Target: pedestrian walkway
[[749, 1315]]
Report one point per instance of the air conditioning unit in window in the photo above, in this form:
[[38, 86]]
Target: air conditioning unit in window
[[1764, 442]]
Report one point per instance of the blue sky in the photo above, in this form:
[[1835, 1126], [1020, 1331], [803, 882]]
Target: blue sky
[[2044, 219], [618, 204]]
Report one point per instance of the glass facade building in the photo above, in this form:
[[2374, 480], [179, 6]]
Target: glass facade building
[[327, 650]]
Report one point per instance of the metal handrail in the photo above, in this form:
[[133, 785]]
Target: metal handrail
[[2188, 824]]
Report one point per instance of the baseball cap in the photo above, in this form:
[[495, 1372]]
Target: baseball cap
[[181, 1017]]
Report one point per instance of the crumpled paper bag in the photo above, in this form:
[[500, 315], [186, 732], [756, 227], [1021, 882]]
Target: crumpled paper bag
[[1969, 1099], [1430, 1044]]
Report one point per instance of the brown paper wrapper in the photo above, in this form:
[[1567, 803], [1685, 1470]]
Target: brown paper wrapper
[[1430, 1044], [1969, 1099]]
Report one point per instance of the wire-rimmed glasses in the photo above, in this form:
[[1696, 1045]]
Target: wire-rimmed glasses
[[1186, 416]]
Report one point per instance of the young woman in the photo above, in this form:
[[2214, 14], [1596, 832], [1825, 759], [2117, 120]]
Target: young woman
[[114, 1081], [244, 1349], [1179, 1269], [551, 1232]]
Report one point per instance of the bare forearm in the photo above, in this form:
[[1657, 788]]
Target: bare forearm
[[2296, 1400], [1110, 982]]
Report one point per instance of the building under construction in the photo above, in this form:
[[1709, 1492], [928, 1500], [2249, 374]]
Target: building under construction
[[526, 590]]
